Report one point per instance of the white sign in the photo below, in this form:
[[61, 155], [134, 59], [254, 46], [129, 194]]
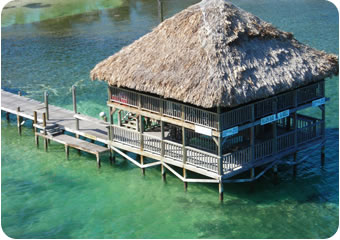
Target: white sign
[[283, 114], [268, 119], [318, 102], [230, 131], [203, 130]]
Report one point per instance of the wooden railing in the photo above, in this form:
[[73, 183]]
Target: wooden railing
[[202, 159], [150, 103], [308, 132], [152, 144], [236, 159], [173, 150], [285, 141], [202, 117], [211, 119], [126, 136], [311, 92], [236, 117], [172, 109]]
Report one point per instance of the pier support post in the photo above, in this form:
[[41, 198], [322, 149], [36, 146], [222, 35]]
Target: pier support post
[[163, 173], [45, 139], [46, 105], [98, 160], [142, 162], [112, 156], [295, 165], [323, 156], [185, 176], [19, 121], [67, 151], [7, 117], [35, 121], [220, 191]]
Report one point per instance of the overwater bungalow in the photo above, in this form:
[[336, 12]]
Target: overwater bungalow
[[217, 91]]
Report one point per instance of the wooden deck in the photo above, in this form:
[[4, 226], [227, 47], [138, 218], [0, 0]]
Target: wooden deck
[[149, 144]]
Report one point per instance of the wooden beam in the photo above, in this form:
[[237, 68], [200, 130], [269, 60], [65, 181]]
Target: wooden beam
[[35, 122], [45, 139], [46, 105], [19, 120]]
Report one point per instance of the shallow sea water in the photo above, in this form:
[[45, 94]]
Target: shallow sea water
[[45, 196]]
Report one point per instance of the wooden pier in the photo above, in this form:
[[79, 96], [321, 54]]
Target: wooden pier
[[52, 123]]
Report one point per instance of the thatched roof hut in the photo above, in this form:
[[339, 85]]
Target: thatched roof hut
[[215, 54]]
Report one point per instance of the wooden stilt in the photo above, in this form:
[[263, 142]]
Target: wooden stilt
[[98, 160], [35, 121], [18, 121], [252, 173], [46, 105], [295, 165], [67, 151], [7, 117], [322, 156], [111, 158], [220, 190], [45, 139], [163, 173], [185, 176], [77, 136], [36, 140], [142, 162]]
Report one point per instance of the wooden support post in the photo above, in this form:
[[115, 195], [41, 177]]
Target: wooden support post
[[323, 156], [185, 176], [98, 160], [295, 165], [109, 93], [163, 173], [19, 121], [184, 150], [8, 117], [74, 99], [275, 173], [275, 128], [252, 173], [252, 134], [219, 149], [35, 121], [142, 162], [45, 139], [162, 139], [295, 126], [46, 105], [160, 10], [323, 129], [67, 151], [119, 118], [112, 156], [220, 190]]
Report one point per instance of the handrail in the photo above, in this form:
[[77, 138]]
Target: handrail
[[200, 151]]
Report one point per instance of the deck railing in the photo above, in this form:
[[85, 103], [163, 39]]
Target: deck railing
[[308, 132], [202, 159], [173, 150], [211, 119], [152, 144]]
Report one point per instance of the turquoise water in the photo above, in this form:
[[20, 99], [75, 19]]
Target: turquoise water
[[45, 196]]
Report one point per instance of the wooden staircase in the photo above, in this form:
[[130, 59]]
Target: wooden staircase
[[130, 121]]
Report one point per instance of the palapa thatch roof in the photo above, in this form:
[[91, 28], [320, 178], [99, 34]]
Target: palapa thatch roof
[[215, 54]]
